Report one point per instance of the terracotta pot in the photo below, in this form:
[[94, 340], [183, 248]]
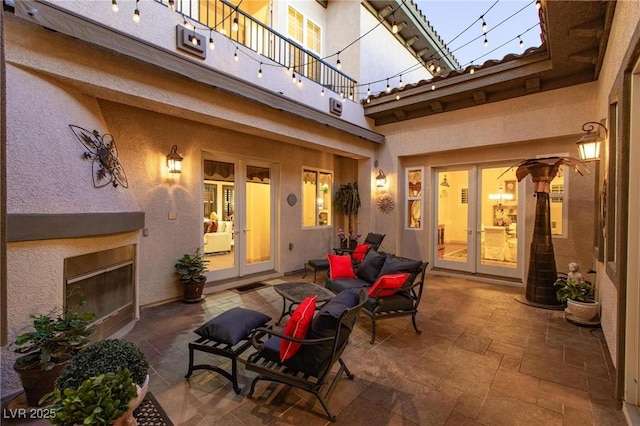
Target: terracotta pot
[[37, 383], [193, 290], [127, 418]]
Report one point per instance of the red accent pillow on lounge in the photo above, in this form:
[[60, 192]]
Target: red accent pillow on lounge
[[388, 281], [297, 327], [360, 251], [340, 266]]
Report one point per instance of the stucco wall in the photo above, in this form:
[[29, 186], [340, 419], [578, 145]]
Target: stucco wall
[[625, 24], [523, 121]]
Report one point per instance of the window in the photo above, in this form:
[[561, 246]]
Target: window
[[316, 197], [414, 179], [309, 35], [558, 207]]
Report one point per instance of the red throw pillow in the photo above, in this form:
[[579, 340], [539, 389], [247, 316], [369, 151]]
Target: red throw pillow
[[213, 226], [297, 327], [360, 251], [340, 266], [388, 281]]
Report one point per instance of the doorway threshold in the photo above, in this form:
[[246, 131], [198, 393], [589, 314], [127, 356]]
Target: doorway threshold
[[230, 283], [493, 279]]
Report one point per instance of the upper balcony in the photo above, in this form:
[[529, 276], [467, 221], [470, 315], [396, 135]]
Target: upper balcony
[[254, 61]]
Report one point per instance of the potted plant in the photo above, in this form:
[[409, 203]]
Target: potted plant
[[578, 295], [55, 339], [101, 375], [347, 201], [190, 268], [100, 400]]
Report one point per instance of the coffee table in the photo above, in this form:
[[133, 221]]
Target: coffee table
[[296, 291]]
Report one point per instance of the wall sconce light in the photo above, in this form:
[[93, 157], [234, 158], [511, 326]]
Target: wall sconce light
[[445, 182], [381, 179], [174, 160], [589, 143]]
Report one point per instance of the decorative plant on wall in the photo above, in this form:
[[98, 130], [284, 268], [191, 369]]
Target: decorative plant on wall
[[542, 273], [104, 157], [347, 201]]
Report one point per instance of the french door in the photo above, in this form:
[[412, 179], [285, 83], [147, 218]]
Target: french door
[[476, 227], [240, 193]]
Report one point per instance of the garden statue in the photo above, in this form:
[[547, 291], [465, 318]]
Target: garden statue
[[574, 274]]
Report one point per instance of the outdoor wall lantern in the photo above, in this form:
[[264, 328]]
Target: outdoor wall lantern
[[381, 179], [589, 143], [174, 160]]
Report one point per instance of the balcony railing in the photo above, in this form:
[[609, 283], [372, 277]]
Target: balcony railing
[[220, 15]]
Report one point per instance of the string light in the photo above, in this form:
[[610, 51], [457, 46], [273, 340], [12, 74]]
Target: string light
[[186, 23], [368, 100], [485, 42], [172, 5], [114, 6], [260, 71], [398, 97], [538, 4], [394, 27], [234, 26], [293, 77], [433, 87], [472, 70], [368, 91], [484, 24], [521, 43], [388, 87], [431, 66], [322, 92], [401, 83], [212, 45], [235, 55], [338, 64], [438, 69], [136, 13]]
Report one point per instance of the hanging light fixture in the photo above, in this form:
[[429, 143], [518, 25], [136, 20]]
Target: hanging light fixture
[[500, 196], [538, 4], [381, 179], [114, 5], [485, 42], [235, 55], [388, 89], [136, 13], [484, 25], [394, 27], [234, 25], [338, 64], [260, 71], [174, 160], [212, 45], [172, 5], [445, 182], [589, 143]]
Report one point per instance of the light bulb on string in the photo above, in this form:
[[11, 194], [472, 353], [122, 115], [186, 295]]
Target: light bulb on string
[[433, 87], [194, 39], [485, 42], [260, 71], [401, 83], [484, 25], [394, 26], [350, 96], [438, 69], [186, 23], [293, 77], [431, 66], [398, 97], [521, 43], [338, 63], [538, 4], [212, 45], [388, 90], [172, 5], [136, 13], [368, 91], [472, 70], [234, 25], [368, 100], [299, 81], [114, 6], [322, 92], [235, 55]]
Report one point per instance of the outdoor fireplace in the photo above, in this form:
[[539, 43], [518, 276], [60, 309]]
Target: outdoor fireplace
[[105, 280]]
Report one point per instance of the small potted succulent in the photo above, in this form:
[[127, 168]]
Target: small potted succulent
[[54, 340], [190, 268]]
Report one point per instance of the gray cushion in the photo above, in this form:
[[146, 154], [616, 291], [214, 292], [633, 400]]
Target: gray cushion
[[232, 326], [395, 265], [369, 268], [341, 284]]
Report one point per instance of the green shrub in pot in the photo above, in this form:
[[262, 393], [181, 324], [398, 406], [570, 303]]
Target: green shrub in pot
[[104, 357]]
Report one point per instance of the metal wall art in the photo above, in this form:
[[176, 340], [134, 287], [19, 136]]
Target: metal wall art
[[386, 204], [101, 150]]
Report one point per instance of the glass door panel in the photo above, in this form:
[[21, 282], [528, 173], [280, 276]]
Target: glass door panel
[[452, 238], [498, 218], [258, 220]]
